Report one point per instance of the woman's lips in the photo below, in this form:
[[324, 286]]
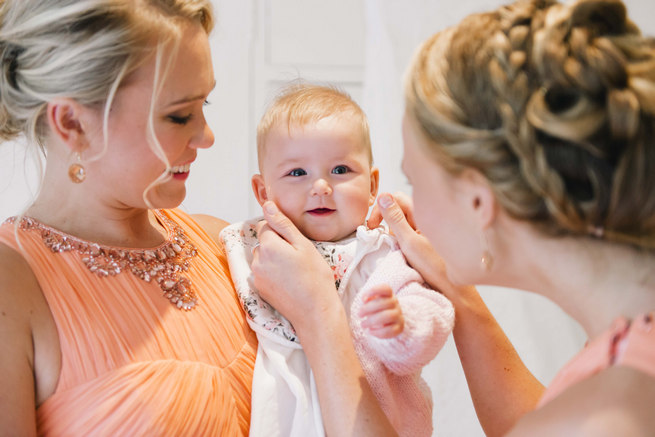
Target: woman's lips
[[181, 172], [181, 176]]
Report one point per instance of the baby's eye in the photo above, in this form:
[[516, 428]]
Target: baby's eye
[[340, 169], [297, 172]]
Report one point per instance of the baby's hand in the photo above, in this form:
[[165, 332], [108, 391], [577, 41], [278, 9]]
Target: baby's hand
[[381, 314]]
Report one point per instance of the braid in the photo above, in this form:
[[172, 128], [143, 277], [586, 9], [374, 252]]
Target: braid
[[588, 109], [515, 46], [555, 105]]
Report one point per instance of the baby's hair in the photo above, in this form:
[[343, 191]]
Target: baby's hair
[[555, 105], [300, 104]]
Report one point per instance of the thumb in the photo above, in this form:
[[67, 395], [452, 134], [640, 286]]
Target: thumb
[[395, 217], [280, 223]]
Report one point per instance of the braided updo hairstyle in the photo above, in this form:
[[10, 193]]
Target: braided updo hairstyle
[[555, 105], [81, 49]]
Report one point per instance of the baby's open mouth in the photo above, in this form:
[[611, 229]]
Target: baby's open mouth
[[321, 211]]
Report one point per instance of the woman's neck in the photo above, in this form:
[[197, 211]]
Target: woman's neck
[[118, 227], [593, 281], [84, 211]]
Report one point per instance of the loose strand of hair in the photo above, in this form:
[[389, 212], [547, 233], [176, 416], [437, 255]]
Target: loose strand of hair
[[153, 141]]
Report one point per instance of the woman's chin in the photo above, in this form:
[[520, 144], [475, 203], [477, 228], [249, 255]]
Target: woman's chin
[[167, 201]]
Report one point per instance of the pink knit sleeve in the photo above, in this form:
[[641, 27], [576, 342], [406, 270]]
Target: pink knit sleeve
[[429, 318]]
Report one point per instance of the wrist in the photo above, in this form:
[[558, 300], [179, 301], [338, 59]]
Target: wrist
[[323, 323]]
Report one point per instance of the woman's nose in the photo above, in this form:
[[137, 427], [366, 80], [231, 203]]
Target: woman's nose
[[204, 138], [321, 187]]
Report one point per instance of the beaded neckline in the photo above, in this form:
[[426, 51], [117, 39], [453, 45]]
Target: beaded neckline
[[164, 264]]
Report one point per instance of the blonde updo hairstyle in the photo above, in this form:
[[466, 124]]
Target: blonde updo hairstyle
[[554, 104], [80, 49]]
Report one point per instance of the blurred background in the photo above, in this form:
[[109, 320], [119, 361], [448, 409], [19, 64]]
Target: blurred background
[[363, 46]]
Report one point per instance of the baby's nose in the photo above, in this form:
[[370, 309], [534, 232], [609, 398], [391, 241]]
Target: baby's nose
[[321, 188]]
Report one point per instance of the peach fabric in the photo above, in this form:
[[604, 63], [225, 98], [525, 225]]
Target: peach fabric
[[132, 363], [626, 343]]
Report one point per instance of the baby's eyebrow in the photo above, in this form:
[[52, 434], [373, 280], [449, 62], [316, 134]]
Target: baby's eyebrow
[[288, 165]]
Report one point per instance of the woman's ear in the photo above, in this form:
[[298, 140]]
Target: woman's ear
[[259, 188], [481, 198], [375, 185], [64, 120]]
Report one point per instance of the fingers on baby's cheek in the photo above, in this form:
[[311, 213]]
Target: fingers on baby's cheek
[[260, 226]]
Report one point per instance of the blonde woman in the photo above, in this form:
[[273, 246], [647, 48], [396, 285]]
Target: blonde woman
[[117, 313]]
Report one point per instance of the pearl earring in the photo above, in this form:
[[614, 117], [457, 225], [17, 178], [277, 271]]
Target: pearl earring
[[76, 171]]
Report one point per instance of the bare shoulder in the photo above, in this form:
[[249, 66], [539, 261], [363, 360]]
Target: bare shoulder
[[17, 284], [617, 401], [212, 225], [25, 325]]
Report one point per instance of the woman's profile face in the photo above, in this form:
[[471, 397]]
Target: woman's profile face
[[131, 162], [439, 206]]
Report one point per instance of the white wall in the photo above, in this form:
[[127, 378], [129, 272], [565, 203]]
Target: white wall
[[363, 45]]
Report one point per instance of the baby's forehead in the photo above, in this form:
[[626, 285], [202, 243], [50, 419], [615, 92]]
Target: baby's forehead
[[331, 127], [298, 125]]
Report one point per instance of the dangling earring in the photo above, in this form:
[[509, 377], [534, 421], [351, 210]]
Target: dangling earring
[[76, 171], [487, 259]]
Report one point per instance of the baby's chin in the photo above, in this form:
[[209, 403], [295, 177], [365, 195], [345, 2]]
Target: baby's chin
[[326, 235]]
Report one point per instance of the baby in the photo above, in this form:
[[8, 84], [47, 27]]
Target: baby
[[315, 163]]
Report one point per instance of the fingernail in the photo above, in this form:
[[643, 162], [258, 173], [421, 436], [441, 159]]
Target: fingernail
[[270, 208], [385, 200]]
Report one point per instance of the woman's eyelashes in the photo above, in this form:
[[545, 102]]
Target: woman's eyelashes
[[180, 119], [184, 119]]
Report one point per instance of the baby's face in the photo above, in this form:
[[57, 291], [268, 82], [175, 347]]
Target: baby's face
[[320, 176]]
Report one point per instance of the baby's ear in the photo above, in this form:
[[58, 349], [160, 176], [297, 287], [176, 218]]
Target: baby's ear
[[375, 184], [259, 188]]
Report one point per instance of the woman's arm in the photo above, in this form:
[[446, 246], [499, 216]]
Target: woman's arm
[[502, 388], [616, 401], [292, 276], [17, 388]]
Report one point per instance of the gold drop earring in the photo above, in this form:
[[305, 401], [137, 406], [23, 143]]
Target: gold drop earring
[[76, 171], [487, 259]]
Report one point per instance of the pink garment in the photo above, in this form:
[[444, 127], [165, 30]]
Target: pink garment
[[393, 366], [132, 364], [626, 343]]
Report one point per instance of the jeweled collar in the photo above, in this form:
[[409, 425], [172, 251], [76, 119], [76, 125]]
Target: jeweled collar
[[164, 264]]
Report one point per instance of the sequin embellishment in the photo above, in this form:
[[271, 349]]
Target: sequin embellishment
[[164, 265]]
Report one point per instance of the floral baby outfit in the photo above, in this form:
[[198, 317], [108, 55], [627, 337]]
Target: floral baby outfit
[[285, 400]]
